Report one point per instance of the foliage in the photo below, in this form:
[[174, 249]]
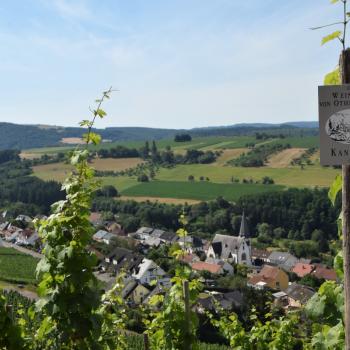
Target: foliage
[[10, 335], [68, 288], [274, 334], [182, 138]]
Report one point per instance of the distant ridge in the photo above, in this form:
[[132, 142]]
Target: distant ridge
[[32, 136]]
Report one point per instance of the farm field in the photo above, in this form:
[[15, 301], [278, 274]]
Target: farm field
[[278, 168], [160, 199], [200, 143], [59, 171], [229, 154], [283, 159], [17, 267], [197, 190]]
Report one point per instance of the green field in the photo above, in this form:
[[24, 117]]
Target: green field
[[202, 143], [17, 267], [197, 190], [219, 173], [311, 176]]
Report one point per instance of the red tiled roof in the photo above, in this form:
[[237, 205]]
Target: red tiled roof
[[94, 216], [268, 273], [326, 273], [302, 269], [187, 258], [203, 266]]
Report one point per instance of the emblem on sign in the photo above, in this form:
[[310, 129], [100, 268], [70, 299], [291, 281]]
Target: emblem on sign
[[338, 126]]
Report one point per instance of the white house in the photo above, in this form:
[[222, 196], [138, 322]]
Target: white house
[[234, 249], [148, 271]]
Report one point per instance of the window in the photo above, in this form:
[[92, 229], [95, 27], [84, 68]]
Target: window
[[244, 257]]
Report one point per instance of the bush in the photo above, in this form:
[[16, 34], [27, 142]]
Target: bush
[[142, 178]]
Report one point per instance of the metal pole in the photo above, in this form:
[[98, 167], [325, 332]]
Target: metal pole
[[344, 66]]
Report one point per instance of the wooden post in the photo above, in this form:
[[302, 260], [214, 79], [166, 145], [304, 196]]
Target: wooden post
[[145, 341], [344, 68], [186, 292]]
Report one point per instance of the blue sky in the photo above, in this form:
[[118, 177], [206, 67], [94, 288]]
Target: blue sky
[[176, 63]]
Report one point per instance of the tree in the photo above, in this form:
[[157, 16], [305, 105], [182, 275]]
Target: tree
[[190, 178], [183, 138], [143, 178]]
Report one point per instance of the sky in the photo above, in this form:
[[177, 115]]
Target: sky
[[175, 63]]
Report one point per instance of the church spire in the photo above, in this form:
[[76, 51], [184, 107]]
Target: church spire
[[244, 230]]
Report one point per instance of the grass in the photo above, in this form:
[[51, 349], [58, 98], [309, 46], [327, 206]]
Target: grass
[[59, 171], [197, 190], [311, 176], [17, 267]]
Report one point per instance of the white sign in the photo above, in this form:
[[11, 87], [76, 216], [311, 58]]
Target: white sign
[[334, 119]]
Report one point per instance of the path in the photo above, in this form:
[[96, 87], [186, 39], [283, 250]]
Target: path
[[22, 250]]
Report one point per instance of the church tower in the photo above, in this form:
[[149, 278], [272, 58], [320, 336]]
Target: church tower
[[244, 234]]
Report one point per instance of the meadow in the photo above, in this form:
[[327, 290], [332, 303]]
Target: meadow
[[197, 190], [17, 267]]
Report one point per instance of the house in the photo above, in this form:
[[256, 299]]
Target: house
[[189, 258], [148, 272], [204, 266], [283, 259], [24, 218], [10, 235], [298, 295], [234, 249], [115, 228], [98, 236], [323, 272], [301, 269], [27, 237], [211, 301], [167, 237], [121, 259], [95, 218], [144, 232], [152, 242], [270, 276], [260, 256], [191, 243], [135, 292], [108, 238], [227, 268], [3, 226]]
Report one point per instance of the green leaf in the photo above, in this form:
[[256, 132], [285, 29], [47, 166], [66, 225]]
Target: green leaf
[[334, 1], [101, 113], [332, 78], [332, 36], [335, 188], [95, 138], [338, 264], [85, 123]]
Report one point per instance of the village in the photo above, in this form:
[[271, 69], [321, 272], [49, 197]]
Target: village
[[279, 274]]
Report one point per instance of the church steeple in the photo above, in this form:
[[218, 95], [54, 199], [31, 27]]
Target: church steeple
[[244, 230]]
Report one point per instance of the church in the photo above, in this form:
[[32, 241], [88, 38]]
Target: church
[[233, 249]]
